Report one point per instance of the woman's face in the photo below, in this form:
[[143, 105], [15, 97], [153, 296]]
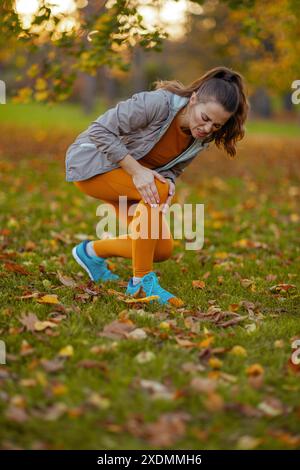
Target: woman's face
[[205, 118]]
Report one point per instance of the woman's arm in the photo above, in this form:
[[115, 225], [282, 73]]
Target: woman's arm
[[127, 116]]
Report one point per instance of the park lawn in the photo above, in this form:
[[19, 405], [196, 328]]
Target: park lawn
[[68, 387]]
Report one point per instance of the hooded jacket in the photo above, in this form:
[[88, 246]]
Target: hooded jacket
[[132, 127]]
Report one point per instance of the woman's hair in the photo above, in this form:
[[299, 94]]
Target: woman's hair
[[225, 87]]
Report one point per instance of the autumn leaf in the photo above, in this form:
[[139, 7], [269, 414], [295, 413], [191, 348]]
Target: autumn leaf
[[198, 284], [138, 333], [66, 280], [238, 351], [53, 365], [164, 432], [96, 400], [117, 329], [29, 321], [248, 442], [144, 300], [254, 370], [48, 299], [272, 407], [203, 384], [42, 325], [16, 414], [66, 351], [282, 288], [16, 268], [214, 402], [144, 356]]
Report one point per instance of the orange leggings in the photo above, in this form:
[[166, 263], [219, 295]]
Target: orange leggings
[[143, 251]]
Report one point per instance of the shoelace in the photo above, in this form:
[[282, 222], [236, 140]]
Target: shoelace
[[105, 270], [152, 279]]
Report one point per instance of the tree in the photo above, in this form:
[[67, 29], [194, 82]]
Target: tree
[[106, 33]]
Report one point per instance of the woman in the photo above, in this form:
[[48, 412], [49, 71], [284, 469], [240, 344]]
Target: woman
[[138, 149]]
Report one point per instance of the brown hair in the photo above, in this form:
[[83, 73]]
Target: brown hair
[[226, 87]]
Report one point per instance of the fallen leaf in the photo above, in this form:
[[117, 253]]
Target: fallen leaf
[[144, 300], [255, 370], [29, 321], [67, 351], [214, 402], [54, 412], [138, 334], [248, 443], [48, 299], [238, 351], [66, 280], [203, 384], [164, 432], [144, 356], [271, 407], [117, 329], [198, 284], [16, 268], [98, 401], [282, 288], [156, 389], [53, 365], [16, 414], [42, 325]]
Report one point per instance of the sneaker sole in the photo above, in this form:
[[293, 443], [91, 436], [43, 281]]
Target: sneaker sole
[[81, 263]]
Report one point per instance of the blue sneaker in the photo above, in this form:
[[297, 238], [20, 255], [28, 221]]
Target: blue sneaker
[[148, 286], [96, 267]]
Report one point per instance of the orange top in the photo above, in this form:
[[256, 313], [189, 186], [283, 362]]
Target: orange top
[[172, 143]]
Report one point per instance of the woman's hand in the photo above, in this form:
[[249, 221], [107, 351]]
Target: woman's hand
[[170, 197], [144, 181]]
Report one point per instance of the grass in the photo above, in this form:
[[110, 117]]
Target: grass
[[251, 233]]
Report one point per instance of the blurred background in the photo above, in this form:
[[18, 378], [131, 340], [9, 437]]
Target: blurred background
[[97, 52]]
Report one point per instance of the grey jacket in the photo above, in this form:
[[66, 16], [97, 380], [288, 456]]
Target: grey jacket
[[132, 127]]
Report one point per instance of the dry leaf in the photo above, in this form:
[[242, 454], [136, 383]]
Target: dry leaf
[[248, 443], [198, 284], [238, 351], [67, 351], [42, 325], [16, 268], [138, 333], [66, 280], [203, 385], [117, 329], [48, 299], [29, 321], [144, 356]]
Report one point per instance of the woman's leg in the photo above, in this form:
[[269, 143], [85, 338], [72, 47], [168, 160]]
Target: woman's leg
[[108, 247], [143, 251]]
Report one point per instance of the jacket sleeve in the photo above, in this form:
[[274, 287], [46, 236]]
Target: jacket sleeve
[[127, 116]]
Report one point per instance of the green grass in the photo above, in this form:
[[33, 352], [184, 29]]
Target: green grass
[[38, 206], [59, 116], [269, 127]]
